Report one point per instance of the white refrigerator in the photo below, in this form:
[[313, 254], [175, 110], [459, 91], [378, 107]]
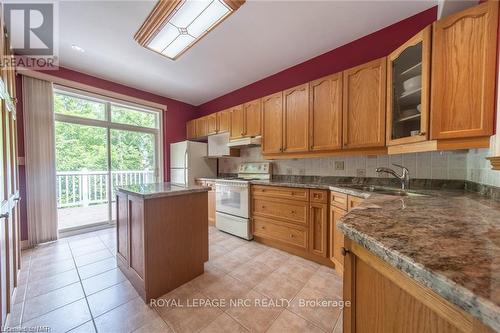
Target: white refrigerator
[[188, 161]]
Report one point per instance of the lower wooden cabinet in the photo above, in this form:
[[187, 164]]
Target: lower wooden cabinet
[[340, 205], [292, 219], [159, 247], [287, 233], [318, 226], [336, 239], [211, 200], [384, 299]]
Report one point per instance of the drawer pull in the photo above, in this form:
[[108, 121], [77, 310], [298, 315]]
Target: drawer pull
[[292, 236], [344, 251], [293, 212], [263, 207]]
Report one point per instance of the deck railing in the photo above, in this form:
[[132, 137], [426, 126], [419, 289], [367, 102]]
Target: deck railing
[[84, 188]]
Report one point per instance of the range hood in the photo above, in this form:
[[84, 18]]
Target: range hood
[[218, 146], [246, 142]]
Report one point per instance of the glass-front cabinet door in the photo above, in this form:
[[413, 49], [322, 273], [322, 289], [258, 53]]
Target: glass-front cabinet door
[[408, 72]]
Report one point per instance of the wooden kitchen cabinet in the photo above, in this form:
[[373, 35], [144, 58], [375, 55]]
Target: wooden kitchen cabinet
[[253, 118], [296, 119], [122, 226], [212, 127], [159, 248], [353, 202], [272, 127], [223, 121], [336, 239], [191, 129], [408, 90], [292, 219], [201, 127], [325, 113], [364, 97], [237, 128], [384, 299], [464, 50], [340, 205], [211, 203], [318, 226]]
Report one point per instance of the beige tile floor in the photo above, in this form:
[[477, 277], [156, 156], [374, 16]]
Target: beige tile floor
[[73, 285]]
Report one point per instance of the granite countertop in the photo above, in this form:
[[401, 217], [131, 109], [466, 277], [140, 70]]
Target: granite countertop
[[157, 190], [448, 240], [321, 186]]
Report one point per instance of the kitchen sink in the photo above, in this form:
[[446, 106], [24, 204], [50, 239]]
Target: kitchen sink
[[386, 190]]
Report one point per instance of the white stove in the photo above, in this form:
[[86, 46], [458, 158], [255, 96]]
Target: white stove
[[233, 198]]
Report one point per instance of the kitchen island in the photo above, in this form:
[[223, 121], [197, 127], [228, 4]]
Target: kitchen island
[[162, 235]]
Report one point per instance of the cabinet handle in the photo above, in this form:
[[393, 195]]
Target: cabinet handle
[[262, 206], [344, 251], [4, 216], [291, 236], [293, 212], [17, 199], [421, 133]]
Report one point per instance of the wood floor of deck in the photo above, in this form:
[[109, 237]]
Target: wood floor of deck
[[73, 217]]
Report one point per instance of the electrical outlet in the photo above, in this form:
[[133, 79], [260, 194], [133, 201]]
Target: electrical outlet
[[360, 172], [339, 165]]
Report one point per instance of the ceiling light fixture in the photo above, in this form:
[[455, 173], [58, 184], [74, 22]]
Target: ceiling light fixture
[[175, 25], [77, 48]]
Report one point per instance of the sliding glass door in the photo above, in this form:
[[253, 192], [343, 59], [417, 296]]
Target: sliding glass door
[[101, 144]]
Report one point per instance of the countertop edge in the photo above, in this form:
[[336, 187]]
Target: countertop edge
[[164, 194], [484, 310]]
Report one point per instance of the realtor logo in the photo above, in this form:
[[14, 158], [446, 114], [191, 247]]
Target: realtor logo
[[32, 28]]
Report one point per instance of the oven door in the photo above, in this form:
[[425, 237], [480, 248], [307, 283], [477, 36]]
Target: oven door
[[232, 198]]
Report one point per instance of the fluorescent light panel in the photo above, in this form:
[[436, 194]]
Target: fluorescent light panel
[[191, 20]]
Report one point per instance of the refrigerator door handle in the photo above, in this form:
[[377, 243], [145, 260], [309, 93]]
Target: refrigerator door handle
[[185, 167]]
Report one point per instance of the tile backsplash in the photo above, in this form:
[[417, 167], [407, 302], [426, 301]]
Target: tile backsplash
[[430, 165], [479, 168]]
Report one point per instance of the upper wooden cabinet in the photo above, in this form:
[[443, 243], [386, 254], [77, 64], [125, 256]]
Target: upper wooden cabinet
[[212, 124], [252, 117], [463, 73], [296, 119], [364, 105], [408, 84], [325, 113], [237, 127], [272, 128], [201, 127], [223, 120], [191, 129]]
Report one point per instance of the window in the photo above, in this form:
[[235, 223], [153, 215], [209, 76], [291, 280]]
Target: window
[[101, 143], [78, 106], [125, 115]]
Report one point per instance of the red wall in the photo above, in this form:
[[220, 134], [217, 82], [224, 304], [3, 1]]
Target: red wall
[[373, 46], [174, 121]]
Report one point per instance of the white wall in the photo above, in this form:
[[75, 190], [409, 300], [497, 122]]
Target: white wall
[[435, 165]]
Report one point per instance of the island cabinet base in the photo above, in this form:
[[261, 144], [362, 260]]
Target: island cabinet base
[[384, 299], [162, 242]]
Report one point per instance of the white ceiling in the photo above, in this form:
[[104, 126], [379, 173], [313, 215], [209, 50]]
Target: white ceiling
[[260, 39]]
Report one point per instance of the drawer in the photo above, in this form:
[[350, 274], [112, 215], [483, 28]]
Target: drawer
[[338, 200], [286, 210], [292, 235], [319, 196], [281, 192], [353, 202]]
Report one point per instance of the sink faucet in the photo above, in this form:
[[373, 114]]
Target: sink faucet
[[404, 178]]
